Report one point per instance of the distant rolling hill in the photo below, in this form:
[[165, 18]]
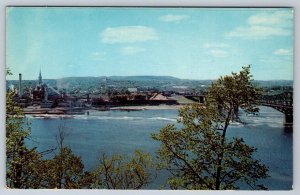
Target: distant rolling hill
[[274, 83], [145, 82], [145, 78]]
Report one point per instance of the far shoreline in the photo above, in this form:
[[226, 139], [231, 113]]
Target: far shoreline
[[148, 107], [56, 112]]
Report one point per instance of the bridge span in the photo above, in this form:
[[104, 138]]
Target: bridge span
[[282, 102]]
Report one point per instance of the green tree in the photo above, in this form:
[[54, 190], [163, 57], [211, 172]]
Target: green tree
[[232, 92], [118, 172], [21, 169], [65, 170], [199, 156], [25, 167]]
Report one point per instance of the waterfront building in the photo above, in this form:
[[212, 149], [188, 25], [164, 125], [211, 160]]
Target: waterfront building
[[132, 90]]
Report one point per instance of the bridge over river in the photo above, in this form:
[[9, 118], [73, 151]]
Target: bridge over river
[[283, 102]]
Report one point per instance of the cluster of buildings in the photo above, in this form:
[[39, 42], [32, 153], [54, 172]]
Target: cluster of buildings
[[43, 98], [37, 95], [133, 99]]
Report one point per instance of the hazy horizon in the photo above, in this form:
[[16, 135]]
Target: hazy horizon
[[137, 76]]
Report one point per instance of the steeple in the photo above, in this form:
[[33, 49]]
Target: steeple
[[40, 77]]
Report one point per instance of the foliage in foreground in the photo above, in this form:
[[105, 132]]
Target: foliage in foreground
[[199, 156], [27, 168], [20, 161], [118, 172]]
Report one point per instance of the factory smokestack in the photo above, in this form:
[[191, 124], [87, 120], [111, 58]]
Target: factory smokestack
[[20, 85]]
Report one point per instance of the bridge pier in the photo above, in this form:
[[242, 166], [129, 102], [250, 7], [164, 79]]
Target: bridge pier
[[288, 122], [283, 103], [201, 99]]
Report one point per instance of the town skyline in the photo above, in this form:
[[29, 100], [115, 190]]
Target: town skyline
[[186, 43]]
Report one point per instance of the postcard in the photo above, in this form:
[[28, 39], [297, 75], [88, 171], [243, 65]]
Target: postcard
[[149, 98]]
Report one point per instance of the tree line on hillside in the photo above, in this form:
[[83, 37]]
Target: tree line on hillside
[[198, 156]]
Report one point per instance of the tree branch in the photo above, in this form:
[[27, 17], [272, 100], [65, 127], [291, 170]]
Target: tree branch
[[189, 166]]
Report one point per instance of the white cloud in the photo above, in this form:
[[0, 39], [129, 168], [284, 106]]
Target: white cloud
[[130, 50], [173, 18], [269, 60], [259, 32], [216, 50], [276, 18], [282, 52], [281, 56], [217, 53], [98, 55], [264, 25], [128, 34], [215, 45]]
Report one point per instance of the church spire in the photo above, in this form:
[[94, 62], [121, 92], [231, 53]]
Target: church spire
[[40, 77]]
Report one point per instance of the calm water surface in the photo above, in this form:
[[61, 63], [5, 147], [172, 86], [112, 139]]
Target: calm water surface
[[123, 132]]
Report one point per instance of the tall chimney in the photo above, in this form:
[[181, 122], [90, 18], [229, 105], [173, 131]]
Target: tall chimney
[[20, 85]]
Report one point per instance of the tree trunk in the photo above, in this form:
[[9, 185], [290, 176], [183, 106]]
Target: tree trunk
[[220, 156]]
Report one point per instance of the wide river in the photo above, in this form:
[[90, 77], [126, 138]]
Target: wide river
[[123, 132]]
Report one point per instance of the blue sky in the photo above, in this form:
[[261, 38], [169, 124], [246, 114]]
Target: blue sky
[[189, 43]]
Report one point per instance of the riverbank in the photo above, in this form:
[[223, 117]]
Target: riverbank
[[156, 107], [38, 112]]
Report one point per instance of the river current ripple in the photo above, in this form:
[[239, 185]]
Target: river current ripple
[[123, 132]]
